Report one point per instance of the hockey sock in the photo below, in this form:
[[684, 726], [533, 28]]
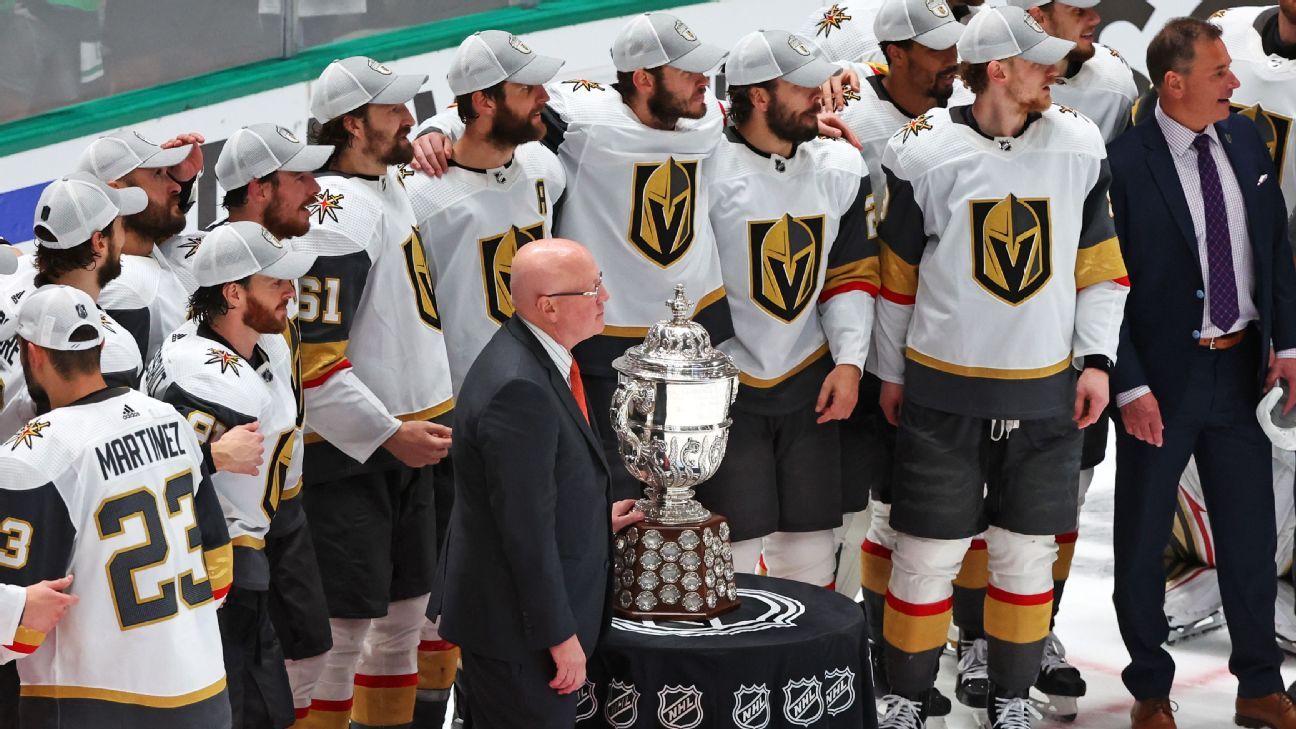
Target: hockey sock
[[969, 592], [875, 573], [303, 675], [386, 681], [331, 701], [1018, 606], [803, 556], [746, 555], [438, 662], [1062, 568], [919, 606]]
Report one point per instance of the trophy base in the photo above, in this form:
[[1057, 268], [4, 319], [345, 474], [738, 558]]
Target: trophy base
[[674, 571]]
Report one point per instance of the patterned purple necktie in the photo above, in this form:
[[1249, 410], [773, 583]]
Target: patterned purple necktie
[[1219, 246]]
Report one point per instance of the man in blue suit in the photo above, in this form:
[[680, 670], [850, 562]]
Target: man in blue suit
[[1203, 230]]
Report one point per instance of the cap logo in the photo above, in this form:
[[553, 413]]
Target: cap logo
[[380, 68], [1033, 24], [518, 45], [795, 44], [81, 311], [287, 134], [938, 8], [684, 31], [271, 239], [142, 139]]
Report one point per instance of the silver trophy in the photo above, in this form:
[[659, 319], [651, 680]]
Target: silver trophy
[[671, 415]]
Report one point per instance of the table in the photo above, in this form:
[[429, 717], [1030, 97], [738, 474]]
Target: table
[[793, 655]]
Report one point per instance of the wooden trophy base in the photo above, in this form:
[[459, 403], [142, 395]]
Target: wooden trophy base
[[674, 571]]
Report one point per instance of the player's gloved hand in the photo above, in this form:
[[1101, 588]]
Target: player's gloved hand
[[432, 153], [838, 394], [569, 660], [419, 443], [890, 399], [831, 125], [834, 89], [1092, 394], [623, 514], [47, 603], [189, 167], [1142, 418], [239, 450]]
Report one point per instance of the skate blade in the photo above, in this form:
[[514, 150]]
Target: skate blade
[[1056, 708], [1287, 645], [1208, 624]]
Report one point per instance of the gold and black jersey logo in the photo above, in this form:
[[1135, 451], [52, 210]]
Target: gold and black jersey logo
[[785, 255], [497, 254], [661, 213], [1012, 246], [1275, 130]]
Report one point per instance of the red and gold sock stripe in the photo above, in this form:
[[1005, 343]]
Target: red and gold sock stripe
[[974, 574], [438, 661], [914, 627], [324, 714], [1065, 554], [1017, 618], [875, 567], [384, 700]]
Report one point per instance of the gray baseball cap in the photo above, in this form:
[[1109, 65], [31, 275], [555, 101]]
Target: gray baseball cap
[[116, 155], [349, 83], [769, 54], [929, 23], [51, 314], [257, 150], [235, 251], [73, 207], [1026, 4], [1008, 31], [488, 57], [661, 39]]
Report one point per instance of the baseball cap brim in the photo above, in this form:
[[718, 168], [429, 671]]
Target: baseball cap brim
[[1048, 51], [131, 200], [308, 158], [538, 72], [292, 265], [942, 37], [166, 158], [813, 74], [402, 88], [702, 59]]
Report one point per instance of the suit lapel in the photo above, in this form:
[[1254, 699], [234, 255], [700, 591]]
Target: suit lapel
[[1161, 165], [559, 383], [1245, 172]]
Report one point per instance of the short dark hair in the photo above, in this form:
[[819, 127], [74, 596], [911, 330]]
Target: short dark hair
[[238, 197], [740, 103], [1175, 46], [208, 302], [885, 45], [334, 132], [976, 76], [70, 364], [54, 263], [464, 105]]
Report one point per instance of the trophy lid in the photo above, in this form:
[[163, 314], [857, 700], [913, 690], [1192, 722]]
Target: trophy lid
[[676, 349]]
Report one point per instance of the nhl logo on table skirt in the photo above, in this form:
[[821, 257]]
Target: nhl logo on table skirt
[[679, 707], [803, 701], [839, 693], [751, 707], [586, 702], [622, 707]]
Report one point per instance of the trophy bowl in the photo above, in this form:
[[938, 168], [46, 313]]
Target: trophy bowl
[[671, 416]]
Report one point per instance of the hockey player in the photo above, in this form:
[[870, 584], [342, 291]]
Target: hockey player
[[108, 481], [228, 366], [788, 211], [149, 297], [368, 310], [266, 172], [970, 340]]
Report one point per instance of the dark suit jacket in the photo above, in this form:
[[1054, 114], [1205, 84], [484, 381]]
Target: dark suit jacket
[[1163, 314], [526, 561]]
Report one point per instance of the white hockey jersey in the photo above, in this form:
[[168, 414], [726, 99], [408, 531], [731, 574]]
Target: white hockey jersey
[[637, 199], [1268, 88], [372, 349], [844, 31], [999, 261], [112, 490], [1102, 89], [799, 266], [149, 298], [216, 389], [473, 222]]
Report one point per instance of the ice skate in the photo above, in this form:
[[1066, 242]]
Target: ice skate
[[1180, 632], [973, 676], [897, 712], [1059, 681], [938, 707], [1007, 711]]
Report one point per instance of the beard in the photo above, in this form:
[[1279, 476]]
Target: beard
[[789, 125], [1080, 54], [941, 90], [286, 222], [263, 319], [396, 151], [37, 393], [510, 130], [155, 223], [110, 269], [666, 107]]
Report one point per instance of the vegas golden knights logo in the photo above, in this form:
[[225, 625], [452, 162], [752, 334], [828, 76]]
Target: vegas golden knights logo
[[1275, 130], [661, 214], [420, 278], [1012, 246], [785, 256], [497, 254]]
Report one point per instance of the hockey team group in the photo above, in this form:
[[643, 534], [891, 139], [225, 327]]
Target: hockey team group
[[949, 247]]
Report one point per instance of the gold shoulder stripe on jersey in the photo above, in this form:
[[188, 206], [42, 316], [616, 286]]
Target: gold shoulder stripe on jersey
[[1099, 262]]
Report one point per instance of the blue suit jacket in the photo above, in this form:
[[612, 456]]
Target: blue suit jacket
[[1163, 314]]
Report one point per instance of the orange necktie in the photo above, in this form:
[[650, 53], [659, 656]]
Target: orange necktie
[[578, 390]]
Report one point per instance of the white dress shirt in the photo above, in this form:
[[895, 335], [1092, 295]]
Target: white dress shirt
[[562, 358]]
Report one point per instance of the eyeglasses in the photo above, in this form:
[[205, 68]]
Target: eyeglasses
[[594, 292]]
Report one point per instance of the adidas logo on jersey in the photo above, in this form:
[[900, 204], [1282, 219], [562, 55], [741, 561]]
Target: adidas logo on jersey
[[17, 296], [128, 412]]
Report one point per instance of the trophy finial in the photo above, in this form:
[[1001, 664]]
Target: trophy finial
[[680, 306]]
